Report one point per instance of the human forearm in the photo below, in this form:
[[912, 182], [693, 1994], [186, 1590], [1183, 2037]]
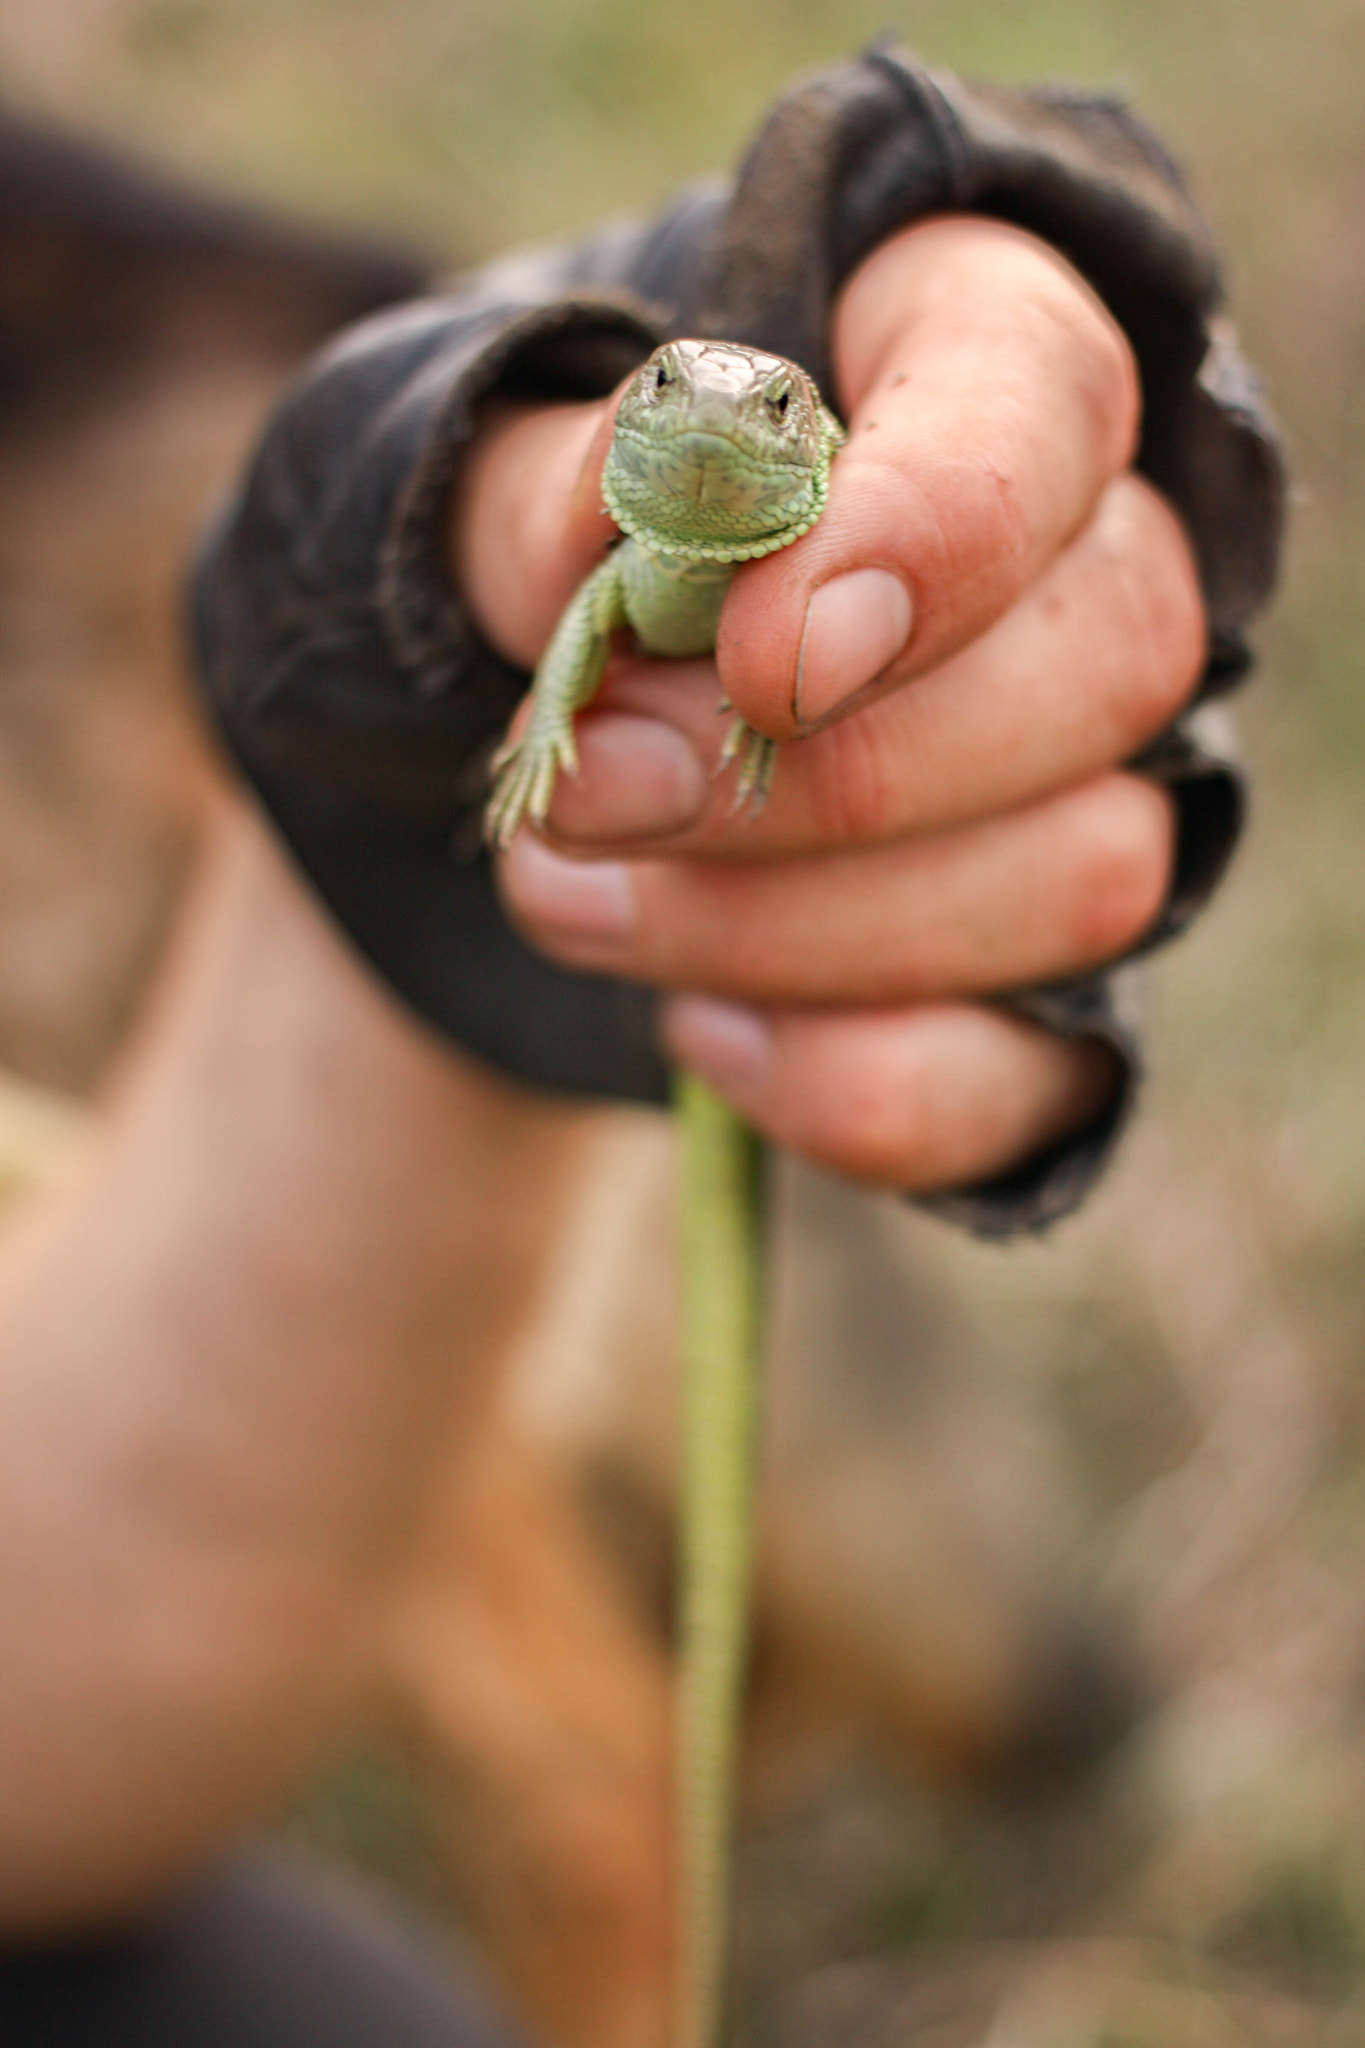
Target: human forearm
[[230, 1352]]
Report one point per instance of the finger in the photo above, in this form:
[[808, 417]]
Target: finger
[[926, 1099], [1044, 893], [528, 521], [1093, 661], [991, 396]]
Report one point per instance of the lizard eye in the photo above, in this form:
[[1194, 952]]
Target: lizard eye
[[664, 375], [779, 397]]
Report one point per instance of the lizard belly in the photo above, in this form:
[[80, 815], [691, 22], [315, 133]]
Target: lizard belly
[[673, 604]]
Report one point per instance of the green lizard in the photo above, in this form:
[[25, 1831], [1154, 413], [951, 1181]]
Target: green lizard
[[720, 454]]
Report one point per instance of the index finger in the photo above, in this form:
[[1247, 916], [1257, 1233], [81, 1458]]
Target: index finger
[[991, 396]]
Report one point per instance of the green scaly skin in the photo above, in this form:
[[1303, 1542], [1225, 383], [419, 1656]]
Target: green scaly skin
[[720, 454]]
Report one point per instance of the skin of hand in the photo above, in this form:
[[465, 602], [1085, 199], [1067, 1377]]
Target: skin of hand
[[993, 613], [236, 1348]]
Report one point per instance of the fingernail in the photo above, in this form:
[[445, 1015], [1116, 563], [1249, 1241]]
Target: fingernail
[[728, 1044], [639, 779], [586, 903], [856, 625]]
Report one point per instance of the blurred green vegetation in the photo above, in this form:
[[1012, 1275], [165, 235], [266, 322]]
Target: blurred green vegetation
[[1301, 1920], [367, 1806], [1219, 1463]]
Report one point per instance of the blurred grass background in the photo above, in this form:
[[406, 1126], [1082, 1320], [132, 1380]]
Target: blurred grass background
[[1196, 1339]]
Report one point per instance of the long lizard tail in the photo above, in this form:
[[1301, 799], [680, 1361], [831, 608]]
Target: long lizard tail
[[722, 1312]]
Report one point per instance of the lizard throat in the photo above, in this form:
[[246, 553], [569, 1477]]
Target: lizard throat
[[709, 531]]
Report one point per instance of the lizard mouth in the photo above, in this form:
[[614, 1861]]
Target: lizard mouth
[[706, 444]]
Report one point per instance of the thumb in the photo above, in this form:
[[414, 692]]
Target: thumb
[[991, 398]]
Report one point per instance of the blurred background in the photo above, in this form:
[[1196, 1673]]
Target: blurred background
[[1190, 1349]]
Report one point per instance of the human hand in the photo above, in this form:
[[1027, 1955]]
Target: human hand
[[992, 614]]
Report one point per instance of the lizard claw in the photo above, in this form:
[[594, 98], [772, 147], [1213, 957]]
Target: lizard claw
[[757, 758], [524, 772]]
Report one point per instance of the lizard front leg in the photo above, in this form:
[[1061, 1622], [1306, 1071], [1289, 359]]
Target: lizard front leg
[[524, 769]]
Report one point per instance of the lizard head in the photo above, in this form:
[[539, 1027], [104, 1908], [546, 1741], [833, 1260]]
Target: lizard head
[[720, 452]]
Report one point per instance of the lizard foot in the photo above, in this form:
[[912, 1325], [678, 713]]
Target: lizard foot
[[524, 772], [757, 759]]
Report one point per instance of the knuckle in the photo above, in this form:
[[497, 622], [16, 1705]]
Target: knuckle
[[1159, 613], [874, 1109], [1111, 387], [1100, 366], [879, 1133], [1125, 871]]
